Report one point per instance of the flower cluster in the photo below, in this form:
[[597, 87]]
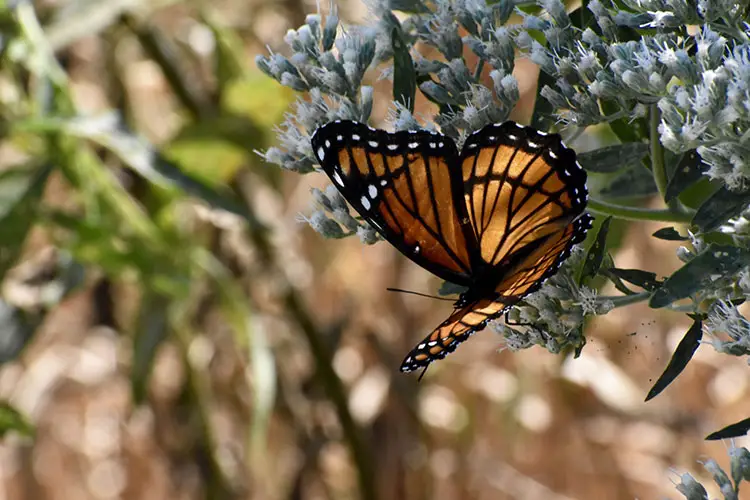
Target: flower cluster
[[553, 316], [729, 484]]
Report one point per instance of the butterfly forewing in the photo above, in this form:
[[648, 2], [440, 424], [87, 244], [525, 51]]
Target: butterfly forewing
[[407, 186], [520, 186]]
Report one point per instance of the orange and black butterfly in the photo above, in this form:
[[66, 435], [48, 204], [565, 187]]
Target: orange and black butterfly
[[497, 218]]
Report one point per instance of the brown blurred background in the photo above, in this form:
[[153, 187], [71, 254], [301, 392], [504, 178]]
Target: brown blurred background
[[484, 423]]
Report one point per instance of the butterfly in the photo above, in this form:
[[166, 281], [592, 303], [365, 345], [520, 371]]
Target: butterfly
[[498, 217]]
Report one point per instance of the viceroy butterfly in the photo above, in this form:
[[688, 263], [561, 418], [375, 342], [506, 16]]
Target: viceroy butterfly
[[498, 218]]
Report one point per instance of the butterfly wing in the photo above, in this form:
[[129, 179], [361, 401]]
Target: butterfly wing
[[521, 187], [525, 195], [459, 326], [406, 185]]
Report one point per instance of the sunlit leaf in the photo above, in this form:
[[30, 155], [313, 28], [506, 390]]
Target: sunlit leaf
[[12, 420]]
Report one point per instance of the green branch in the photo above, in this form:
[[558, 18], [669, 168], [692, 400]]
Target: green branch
[[600, 207]]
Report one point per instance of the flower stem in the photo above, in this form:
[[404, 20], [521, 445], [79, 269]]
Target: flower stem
[[625, 300], [637, 214]]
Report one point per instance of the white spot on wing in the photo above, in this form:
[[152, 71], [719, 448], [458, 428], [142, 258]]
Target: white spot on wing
[[337, 178], [541, 133], [417, 249], [383, 182], [512, 137], [373, 144], [533, 144], [518, 125], [339, 138], [393, 147], [552, 155], [413, 145], [433, 145], [372, 191], [355, 137], [328, 143], [365, 203], [321, 153]]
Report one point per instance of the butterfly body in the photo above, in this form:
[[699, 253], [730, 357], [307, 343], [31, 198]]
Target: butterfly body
[[497, 217]]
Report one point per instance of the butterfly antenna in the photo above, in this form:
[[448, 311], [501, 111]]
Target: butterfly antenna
[[422, 374], [419, 294]]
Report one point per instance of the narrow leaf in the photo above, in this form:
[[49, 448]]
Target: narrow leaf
[[722, 205], [643, 279], [151, 332], [12, 420], [633, 182], [681, 357], [688, 171], [613, 158], [737, 429], [669, 234], [715, 261], [20, 192], [404, 76], [17, 329], [542, 118], [595, 253]]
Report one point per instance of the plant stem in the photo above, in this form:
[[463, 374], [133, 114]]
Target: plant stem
[[625, 300], [658, 166], [637, 214]]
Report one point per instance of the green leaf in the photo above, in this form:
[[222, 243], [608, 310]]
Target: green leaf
[[542, 117], [714, 261], [625, 130], [17, 328], [12, 420], [633, 182], [669, 234], [582, 17], [737, 429], [687, 172], [612, 158], [404, 75], [21, 190], [595, 254], [681, 357], [721, 206], [151, 331], [643, 279]]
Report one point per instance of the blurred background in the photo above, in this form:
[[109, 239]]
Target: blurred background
[[156, 347]]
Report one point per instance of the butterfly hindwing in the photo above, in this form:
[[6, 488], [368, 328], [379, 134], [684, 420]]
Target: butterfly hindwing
[[404, 185], [459, 326]]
